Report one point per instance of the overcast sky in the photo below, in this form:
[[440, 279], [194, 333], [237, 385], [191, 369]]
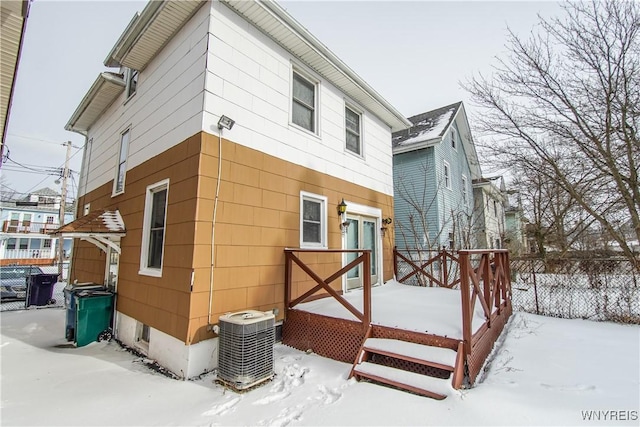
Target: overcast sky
[[414, 54]]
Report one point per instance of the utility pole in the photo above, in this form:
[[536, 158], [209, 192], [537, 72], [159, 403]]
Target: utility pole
[[63, 201]]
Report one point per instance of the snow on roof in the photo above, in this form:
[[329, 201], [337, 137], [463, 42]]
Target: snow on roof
[[426, 126], [96, 222]]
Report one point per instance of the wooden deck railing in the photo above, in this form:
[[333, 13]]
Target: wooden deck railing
[[429, 268], [482, 275], [490, 281], [324, 284]]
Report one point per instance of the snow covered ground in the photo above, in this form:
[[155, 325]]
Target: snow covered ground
[[547, 372]]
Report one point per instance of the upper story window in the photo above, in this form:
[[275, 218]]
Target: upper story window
[[50, 219], [122, 162], [313, 220], [303, 102], [454, 138], [447, 175], [132, 82], [352, 120], [495, 209], [153, 228], [465, 197]]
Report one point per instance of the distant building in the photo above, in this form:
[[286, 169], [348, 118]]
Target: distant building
[[515, 238], [489, 213], [24, 238], [434, 164]]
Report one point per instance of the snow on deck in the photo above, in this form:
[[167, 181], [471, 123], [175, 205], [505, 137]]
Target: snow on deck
[[434, 311]]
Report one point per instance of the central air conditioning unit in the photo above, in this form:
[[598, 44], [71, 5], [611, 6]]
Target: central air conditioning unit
[[246, 348]]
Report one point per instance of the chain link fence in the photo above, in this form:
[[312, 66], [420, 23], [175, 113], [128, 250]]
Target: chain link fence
[[57, 299], [577, 288]]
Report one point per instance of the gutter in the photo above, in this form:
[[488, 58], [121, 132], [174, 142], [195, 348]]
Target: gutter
[[131, 34], [93, 91]]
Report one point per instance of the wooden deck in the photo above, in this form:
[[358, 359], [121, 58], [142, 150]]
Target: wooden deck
[[346, 327]]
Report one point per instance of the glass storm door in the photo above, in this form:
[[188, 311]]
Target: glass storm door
[[361, 234]]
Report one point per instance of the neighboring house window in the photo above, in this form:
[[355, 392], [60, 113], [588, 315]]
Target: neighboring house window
[[50, 219], [23, 243], [132, 82], [352, 128], [122, 162], [447, 175], [11, 243], [454, 138], [303, 103], [155, 213], [465, 200], [46, 244], [451, 241], [495, 209], [313, 220]]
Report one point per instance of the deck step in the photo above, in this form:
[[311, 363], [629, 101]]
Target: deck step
[[435, 388], [438, 357]]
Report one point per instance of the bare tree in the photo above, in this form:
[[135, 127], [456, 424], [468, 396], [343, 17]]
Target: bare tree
[[418, 231], [568, 98]]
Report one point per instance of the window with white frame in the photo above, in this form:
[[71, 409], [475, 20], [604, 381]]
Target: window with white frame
[[313, 220], [122, 162], [454, 138], [352, 130], [303, 102], [447, 175], [465, 197], [153, 228], [46, 244], [132, 82]]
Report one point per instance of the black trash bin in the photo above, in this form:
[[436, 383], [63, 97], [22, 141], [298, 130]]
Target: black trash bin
[[40, 289]]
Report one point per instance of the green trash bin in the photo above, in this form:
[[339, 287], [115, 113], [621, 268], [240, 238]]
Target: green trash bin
[[94, 310]]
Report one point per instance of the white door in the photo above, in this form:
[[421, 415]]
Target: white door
[[362, 233]]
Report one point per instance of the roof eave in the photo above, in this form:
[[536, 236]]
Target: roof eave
[[95, 90], [399, 149], [148, 32], [126, 39]]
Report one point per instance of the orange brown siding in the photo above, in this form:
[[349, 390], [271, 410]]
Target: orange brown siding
[[258, 216]]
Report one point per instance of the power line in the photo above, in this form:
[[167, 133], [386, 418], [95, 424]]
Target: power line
[[47, 141]]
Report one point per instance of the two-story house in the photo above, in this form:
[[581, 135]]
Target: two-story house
[[225, 133], [489, 213], [26, 224], [434, 165]]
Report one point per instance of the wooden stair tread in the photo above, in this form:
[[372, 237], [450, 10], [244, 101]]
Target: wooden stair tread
[[444, 357], [429, 386]]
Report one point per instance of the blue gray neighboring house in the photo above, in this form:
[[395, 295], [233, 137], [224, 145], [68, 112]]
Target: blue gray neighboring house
[[434, 165]]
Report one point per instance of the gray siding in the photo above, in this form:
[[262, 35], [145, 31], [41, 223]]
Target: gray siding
[[419, 188]]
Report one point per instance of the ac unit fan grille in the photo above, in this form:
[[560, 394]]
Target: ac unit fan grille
[[246, 353]]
